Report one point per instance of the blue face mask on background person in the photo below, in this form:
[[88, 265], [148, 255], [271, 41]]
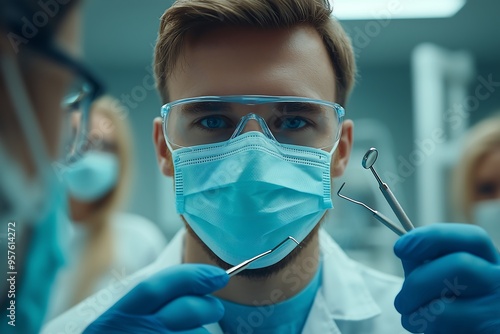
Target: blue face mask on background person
[[487, 215], [244, 196], [92, 176], [35, 206]]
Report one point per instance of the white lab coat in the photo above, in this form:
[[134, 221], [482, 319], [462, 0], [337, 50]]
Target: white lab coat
[[353, 298], [137, 242]]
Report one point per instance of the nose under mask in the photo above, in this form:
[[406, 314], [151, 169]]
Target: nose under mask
[[245, 196]]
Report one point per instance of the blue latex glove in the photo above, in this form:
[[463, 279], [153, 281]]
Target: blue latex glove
[[452, 282], [171, 301]]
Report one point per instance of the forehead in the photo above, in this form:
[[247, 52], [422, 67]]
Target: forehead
[[234, 61]]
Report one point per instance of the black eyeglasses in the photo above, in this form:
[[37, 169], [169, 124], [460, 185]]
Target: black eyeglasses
[[84, 90]]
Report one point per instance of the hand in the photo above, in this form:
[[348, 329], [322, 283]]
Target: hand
[[452, 280], [171, 301]]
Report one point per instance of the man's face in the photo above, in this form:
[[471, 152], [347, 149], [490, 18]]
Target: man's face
[[249, 61]]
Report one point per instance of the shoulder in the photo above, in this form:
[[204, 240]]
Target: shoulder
[[137, 230]]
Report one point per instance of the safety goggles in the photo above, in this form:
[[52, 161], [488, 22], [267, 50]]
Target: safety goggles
[[288, 120], [80, 95]]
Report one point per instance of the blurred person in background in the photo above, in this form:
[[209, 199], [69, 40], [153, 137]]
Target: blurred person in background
[[476, 180], [104, 242], [39, 69]]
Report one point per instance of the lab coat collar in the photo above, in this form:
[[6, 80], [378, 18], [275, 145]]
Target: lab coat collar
[[345, 293]]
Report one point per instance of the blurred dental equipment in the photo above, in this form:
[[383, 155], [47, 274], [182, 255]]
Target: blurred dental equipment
[[368, 161], [243, 265]]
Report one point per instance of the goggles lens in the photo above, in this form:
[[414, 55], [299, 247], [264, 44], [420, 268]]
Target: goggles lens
[[290, 120]]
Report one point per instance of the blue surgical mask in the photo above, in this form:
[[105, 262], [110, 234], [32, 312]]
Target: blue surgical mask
[[244, 196], [487, 215], [91, 177], [33, 207]]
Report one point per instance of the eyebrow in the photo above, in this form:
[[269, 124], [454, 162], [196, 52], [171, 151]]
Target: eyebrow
[[226, 107], [205, 107], [298, 107]]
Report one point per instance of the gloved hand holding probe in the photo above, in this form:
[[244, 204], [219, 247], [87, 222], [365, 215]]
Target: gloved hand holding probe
[[452, 280], [452, 272], [173, 300]]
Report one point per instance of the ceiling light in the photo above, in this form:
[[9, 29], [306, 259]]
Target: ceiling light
[[395, 9]]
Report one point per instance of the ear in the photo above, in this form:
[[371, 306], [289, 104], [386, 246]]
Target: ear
[[343, 152], [163, 154]]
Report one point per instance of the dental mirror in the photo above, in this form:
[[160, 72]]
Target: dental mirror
[[370, 158], [368, 161]]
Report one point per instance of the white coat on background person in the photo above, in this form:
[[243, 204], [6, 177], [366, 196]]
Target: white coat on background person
[[136, 242]]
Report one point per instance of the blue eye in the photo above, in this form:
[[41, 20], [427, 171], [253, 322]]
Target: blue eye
[[293, 123], [213, 122]]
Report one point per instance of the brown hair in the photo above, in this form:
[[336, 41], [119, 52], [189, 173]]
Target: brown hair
[[188, 16], [483, 138]]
